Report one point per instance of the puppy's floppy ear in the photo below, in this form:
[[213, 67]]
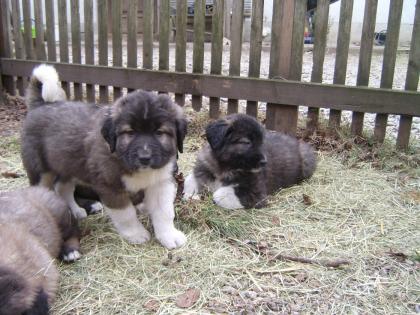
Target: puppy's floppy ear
[[109, 133], [181, 131], [216, 132]]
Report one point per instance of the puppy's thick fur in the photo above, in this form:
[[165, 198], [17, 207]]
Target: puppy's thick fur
[[117, 150], [242, 163], [36, 226]]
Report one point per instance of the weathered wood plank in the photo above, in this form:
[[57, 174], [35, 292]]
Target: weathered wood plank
[[50, 30], [64, 39], [198, 46], [320, 45], [295, 71], [282, 117], [363, 99], [132, 34], [365, 58], [255, 49], [388, 64], [103, 44], [216, 51], [39, 29], [75, 43], [227, 18], [5, 46], [164, 35], [341, 56], [89, 47], [18, 39], [235, 47], [412, 79], [116, 40], [181, 43], [148, 34], [27, 27]]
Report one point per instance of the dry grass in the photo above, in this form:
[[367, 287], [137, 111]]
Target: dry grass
[[352, 210]]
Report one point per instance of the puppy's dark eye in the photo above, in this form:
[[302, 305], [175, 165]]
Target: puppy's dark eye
[[159, 133], [128, 132], [244, 141]]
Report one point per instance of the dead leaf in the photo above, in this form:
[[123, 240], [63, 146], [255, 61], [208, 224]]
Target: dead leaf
[[188, 298], [152, 305], [307, 200], [11, 175], [401, 257], [275, 220]]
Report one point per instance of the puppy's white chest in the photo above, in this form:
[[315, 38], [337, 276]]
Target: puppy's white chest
[[147, 178]]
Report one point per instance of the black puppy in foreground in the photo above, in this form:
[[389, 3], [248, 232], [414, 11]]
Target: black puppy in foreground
[[242, 163]]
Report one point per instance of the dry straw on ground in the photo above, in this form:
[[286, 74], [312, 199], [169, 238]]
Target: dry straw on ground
[[349, 210]]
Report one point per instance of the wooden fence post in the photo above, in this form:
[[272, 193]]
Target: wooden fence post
[[5, 45], [366, 46], [412, 80], [286, 35]]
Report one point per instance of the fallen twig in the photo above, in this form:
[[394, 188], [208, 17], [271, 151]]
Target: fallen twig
[[326, 263]]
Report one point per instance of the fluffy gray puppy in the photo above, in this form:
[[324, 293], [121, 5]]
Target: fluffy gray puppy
[[36, 226], [117, 150], [242, 163]]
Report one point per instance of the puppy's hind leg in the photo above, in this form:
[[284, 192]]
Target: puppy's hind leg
[[66, 191]]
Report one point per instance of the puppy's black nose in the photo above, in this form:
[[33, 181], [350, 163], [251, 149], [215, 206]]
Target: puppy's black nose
[[144, 160], [262, 162]]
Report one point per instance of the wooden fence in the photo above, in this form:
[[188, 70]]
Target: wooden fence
[[283, 90]]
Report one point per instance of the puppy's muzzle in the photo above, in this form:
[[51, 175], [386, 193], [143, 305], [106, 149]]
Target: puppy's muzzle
[[262, 162], [144, 158]]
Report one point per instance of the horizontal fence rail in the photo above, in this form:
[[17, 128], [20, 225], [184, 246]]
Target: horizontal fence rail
[[102, 49], [294, 93]]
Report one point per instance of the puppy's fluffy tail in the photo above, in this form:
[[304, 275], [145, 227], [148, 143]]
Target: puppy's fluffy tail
[[44, 87]]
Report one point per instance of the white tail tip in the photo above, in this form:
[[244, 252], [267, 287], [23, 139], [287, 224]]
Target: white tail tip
[[51, 88]]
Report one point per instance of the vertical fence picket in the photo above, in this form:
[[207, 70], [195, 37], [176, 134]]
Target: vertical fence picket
[[5, 46], [365, 58], [216, 51], [75, 43], [17, 36], [64, 39], [132, 35], [103, 44], [320, 45], [284, 117], [227, 18], [388, 65], [198, 46], [181, 43], [116, 40], [164, 35], [341, 56], [148, 14], [412, 79], [27, 29], [297, 44], [39, 31], [89, 46], [255, 49], [236, 47], [50, 30]]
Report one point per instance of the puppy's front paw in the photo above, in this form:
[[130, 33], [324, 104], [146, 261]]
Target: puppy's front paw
[[70, 255], [78, 213], [95, 208], [172, 238], [190, 188], [136, 236], [225, 197]]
